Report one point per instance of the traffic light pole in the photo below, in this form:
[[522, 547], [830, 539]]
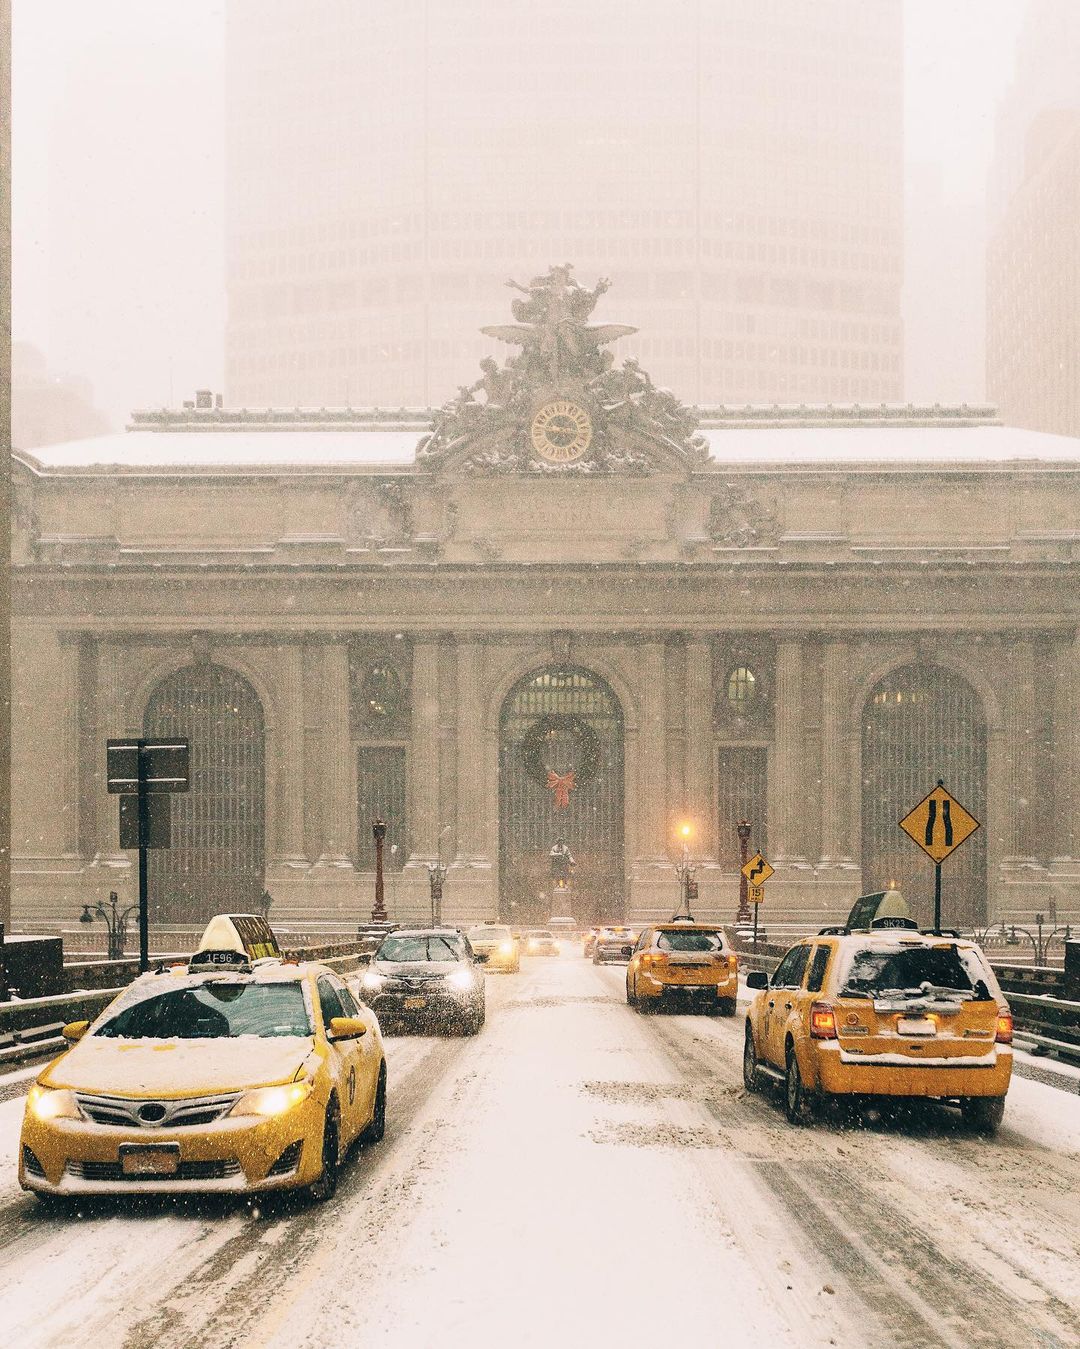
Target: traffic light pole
[[144, 847]]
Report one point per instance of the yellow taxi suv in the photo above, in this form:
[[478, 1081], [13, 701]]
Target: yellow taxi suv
[[499, 946], [889, 1012], [688, 966], [225, 1075]]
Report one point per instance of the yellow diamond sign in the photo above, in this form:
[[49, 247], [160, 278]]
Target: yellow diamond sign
[[757, 871], [939, 824]]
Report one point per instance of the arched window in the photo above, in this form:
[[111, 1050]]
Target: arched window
[[741, 690], [922, 723], [217, 859]]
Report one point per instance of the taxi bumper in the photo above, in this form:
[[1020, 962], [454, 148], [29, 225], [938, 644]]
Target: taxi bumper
[[673, 985], [845, 1074], [232, 1155]]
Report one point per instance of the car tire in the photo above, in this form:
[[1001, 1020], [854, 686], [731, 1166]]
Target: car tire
[[798, 1103], [323, 1189], [750, 1075], [631, 996], [983, 1114], [377, 1128]]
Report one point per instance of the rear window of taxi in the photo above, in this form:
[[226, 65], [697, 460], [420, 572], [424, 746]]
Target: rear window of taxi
[[912, 969], [683, 942]]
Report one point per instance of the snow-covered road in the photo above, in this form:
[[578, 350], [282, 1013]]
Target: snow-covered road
[[580, 1175]]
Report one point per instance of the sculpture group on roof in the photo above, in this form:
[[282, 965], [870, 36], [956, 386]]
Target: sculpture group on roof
[[561, 354]]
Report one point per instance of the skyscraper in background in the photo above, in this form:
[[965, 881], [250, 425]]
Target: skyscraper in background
[[735, 167], [1033, 263]]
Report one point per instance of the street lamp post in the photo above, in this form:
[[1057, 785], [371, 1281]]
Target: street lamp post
[[685, 873], [742, 830], [115, 920], [378, 832], [436, 875], [1039, 943]]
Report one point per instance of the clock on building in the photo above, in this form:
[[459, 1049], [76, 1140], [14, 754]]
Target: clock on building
[[561, 431]]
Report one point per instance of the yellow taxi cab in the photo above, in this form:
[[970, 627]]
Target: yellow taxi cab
[[498, 944], [885, 1012], [227, 1074], [687, 964]]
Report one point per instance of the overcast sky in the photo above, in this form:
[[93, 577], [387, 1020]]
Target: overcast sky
[[118, 169]]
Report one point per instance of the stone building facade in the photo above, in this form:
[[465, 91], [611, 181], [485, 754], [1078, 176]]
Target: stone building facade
[[564, 606]]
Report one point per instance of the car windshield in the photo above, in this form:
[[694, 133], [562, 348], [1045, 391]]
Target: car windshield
[[213, 1011], [489, 934], [541, 936], [910, 970], [421, 947], [689, 941]]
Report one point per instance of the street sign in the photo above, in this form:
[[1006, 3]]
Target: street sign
[[755, 894], [939, 824], [157, 821], [757, 871], [166, 765]]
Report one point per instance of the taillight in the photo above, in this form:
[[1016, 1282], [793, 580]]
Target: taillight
[[733, 963], [1003, 1033], [822, 1021]]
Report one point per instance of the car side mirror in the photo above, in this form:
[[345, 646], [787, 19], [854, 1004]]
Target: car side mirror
[[74, 1031], [757, 979], [481, 957], [346, 1028]]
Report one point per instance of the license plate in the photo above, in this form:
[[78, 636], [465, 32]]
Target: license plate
[[905, 1026], [151, 1161], [414, 1004]]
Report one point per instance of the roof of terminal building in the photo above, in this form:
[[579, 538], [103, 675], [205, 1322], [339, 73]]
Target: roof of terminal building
[[226, 441]]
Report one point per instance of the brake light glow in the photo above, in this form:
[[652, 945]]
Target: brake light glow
[[1004, 1033], [822, 1021]]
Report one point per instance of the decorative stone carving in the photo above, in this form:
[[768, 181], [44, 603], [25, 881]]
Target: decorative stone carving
[[380, 514], [560, 404], [739, 519]]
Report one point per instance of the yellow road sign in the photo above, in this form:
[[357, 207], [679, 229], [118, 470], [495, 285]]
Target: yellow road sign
[[755, 894], [939, 824], [757, 871]]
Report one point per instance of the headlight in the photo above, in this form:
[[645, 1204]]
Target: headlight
[[271, 1101], [506, 948], [46, 1103], [372, 982], [460, 979]]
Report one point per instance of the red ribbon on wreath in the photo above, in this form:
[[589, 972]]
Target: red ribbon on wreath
[[562, 785]]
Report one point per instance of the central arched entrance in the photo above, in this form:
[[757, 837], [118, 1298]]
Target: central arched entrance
[[217, 858], [560, 778]]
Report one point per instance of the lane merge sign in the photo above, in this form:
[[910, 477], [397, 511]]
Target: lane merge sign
[[939, 824], [757, 871]]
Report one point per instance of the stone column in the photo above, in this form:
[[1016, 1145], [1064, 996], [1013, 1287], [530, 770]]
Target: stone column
[[422, 765], [290, 773], [700, 800], [1066, 759], [67, 783], [338, 804], [836, 804], [1020, 744], [470, 753], [111, 719], [652, 755], [787, 791]]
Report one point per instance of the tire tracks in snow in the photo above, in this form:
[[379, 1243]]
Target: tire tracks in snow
[[917, 1291]]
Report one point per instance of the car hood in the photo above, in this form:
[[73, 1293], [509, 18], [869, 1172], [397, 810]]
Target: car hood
[[417, 969], [115, 1067]]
